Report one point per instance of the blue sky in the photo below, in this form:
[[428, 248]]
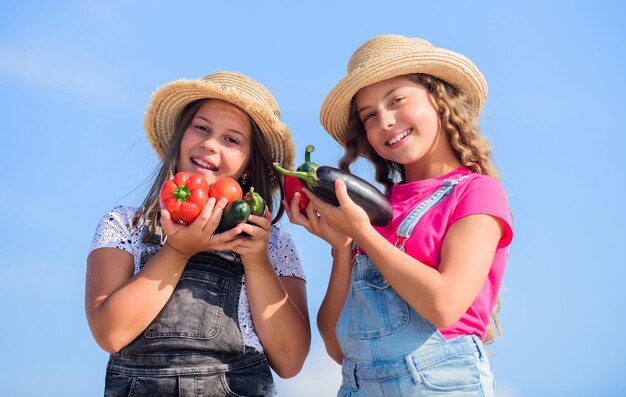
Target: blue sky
[[76, 78]]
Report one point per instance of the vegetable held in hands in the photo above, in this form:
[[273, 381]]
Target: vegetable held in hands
[[235, 213], [226, 187], [184, 196], [240, 210], [293, 186], [256, 202], [321, 181]]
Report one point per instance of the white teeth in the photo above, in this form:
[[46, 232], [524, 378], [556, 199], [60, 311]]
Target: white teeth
[[398, 138], [203, 163]]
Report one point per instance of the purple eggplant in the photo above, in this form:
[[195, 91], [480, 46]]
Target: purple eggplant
[[321, 181]]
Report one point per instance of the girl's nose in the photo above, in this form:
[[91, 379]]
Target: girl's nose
[[209, 144], [387, 119]]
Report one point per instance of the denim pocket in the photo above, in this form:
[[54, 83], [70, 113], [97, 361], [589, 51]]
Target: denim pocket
[[455, 374], [118, 385], [255, 380], [376, 309], [194, 310]]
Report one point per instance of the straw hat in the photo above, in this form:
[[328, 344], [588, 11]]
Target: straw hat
[[387, 56], [169, 100]]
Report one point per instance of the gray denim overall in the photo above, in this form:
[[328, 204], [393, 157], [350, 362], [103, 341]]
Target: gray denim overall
[[194, 347], [390, 349]]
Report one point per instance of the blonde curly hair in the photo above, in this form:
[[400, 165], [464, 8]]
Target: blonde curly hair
[[460, 124]]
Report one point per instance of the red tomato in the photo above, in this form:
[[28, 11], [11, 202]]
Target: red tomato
[[293, 185], [184, 196], [226, 187]]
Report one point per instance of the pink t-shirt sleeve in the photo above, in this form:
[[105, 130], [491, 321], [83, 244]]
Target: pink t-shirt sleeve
[[484, 195]]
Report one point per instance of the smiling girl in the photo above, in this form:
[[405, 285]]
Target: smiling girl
[[185, 311], [408, 304]]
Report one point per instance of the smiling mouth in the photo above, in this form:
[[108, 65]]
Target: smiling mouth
[[398, 138], [203, 164]]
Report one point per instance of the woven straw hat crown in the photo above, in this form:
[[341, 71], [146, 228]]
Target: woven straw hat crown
[[169, 100], [387, 56]]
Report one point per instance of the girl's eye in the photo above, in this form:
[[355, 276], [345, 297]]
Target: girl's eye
[[396, 100], [202, 128], [230, 139], [367, 117]]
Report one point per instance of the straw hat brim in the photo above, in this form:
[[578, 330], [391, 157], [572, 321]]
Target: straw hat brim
[[446, 65], [169, 100]]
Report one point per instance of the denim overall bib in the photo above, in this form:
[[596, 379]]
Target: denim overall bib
[[389, 349], [194, 346]]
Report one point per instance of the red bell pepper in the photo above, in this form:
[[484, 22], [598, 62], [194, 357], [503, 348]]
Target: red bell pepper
[[293, 186], [184, 196]]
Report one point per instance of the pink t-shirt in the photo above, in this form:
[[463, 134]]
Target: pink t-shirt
[[476, 194]]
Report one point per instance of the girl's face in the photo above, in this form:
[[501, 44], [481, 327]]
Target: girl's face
[[402, 123], [217, 143]]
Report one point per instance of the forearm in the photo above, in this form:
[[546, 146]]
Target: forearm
[[334, 300], [121, 316], [282, 327], [440, 295], [420, 285]]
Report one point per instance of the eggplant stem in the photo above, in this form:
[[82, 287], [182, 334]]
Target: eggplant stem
[[308, 178]]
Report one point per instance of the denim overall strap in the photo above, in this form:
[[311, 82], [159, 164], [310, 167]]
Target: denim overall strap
[[408, 224]]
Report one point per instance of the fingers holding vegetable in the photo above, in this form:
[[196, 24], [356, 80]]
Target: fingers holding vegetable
[[321, 181], [240, 210], [184, 197], [321, 218], [295, 211], [294, 187], [203, 217], [196, 237]]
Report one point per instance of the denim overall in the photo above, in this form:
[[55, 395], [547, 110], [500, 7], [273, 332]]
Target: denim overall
[[391, 350], [194, 347]]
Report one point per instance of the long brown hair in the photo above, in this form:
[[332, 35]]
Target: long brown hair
[[261, 173], [459, 122]]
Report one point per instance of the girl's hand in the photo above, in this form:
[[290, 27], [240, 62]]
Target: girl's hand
[[253, 249], [348, 218], [199, 236], [314, 222]]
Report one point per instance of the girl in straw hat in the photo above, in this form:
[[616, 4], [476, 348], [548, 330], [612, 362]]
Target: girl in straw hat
[[408, 305], [184, 310]]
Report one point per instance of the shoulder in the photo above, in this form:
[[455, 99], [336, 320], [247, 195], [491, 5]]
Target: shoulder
[[481, 187], [116, 228], [120, 213], [483, 194], [120, 216]]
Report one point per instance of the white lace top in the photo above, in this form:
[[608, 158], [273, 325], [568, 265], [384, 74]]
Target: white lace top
[[115, 231]]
